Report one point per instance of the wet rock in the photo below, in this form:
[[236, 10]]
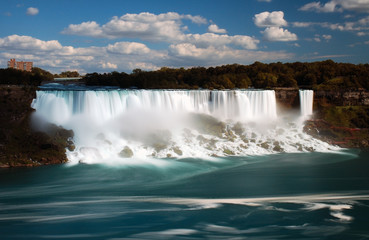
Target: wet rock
[[278, 149], [244, 139], [126, 152], [159, 140], [70, 145], [228, 152], [238, 129], [208, 125], [264, 145], [230, 135], [309, 149], [243, 146], [159, 146], [299, 146], [177, 150]]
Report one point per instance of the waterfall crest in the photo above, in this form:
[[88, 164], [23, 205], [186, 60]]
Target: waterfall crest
[[100, 106]]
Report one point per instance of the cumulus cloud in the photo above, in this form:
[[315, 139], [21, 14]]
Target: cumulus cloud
[[147, 26], [125, 56], [128, 48], [90, 28], [270, 19], [166, 27], [108, 65], [337, 6], [32, 11], [186, 53], [211, 39], [278, 34], [16, 42], [213, 28]]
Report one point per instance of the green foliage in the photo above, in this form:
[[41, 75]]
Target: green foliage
[[337, 84], [347, 116], [317, 75], [18, 77], [67, 74]]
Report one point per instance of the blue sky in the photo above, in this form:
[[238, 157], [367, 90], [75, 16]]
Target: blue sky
[[119, 35]]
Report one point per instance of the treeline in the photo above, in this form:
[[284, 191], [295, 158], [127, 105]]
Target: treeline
[[67, 74], [13, 76], [34, 78], [316, 75]]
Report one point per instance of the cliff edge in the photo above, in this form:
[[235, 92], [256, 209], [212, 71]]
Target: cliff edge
[[20, 145]]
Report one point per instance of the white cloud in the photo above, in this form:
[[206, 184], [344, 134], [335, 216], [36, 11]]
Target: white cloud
[[337, 6], [303, 24], [163, 27], [128, 48], [327, 37], [264, 0], [318, 7], [211, 39], [167, 27], [278, 34], [354, 5], [190, 55], [108, 65], [361, 26], [270, 19], [16, 42], [319, 38], [32, 11], [125, 56], [213, 28], [90, 28]]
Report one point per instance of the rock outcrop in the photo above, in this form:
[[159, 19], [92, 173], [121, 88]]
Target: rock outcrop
[[20, 145]]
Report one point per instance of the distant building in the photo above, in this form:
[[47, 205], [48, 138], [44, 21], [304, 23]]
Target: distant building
[[26, 66]]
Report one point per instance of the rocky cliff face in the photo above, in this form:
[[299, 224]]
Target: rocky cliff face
[[343, 98], [289, 97], [340, 117], [20, 145]]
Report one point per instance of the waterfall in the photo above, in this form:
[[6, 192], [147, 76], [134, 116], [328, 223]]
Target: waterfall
[[100, 106], [306, 102], [113, 126]]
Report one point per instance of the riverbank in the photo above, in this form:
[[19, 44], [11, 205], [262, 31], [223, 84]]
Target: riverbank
[[20, 145]]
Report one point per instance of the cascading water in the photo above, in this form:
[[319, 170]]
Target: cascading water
[[114, 125], [306, 102]]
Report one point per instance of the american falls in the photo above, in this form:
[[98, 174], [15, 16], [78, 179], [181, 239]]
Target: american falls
[[116, 126]]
